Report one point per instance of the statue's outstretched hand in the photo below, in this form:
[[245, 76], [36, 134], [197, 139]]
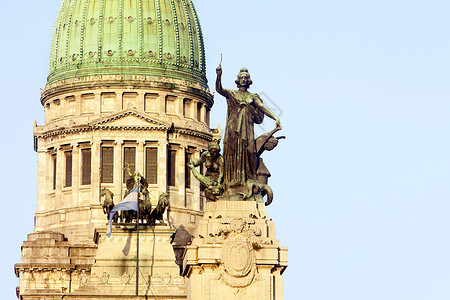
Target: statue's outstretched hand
[[279, 127], [219, 71], [190, 164]]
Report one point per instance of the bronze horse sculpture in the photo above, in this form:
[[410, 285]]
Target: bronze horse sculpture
[[108, 202]]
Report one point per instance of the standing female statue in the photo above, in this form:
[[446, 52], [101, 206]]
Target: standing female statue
[[244, 110]]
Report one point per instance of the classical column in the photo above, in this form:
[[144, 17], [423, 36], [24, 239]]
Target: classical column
[[181, 179], [179, 106], [141, 101], [140, 152], [119, 101], [162, 166], [195, 185], [62, 107], [59, 177], [162, 104], [95, 163], [118, 190], [76, 172], [78, 104], [98, 103], [203, 113]]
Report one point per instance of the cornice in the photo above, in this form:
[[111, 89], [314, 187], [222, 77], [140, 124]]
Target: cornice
[[91, 128]]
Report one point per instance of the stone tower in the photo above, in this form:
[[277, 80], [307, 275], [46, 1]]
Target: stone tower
[[127, 89], [127, 84]]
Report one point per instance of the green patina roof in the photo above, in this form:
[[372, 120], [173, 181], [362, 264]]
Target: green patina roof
[[128, 37]]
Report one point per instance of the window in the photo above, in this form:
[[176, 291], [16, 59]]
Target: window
[[171, 104], [129, 157], [107, 172], [151, 102], [68, 177], [202, 171], [199, 112], [86, 166], [88, 103], [201, 166], [208, 116], [151, 165], [187, 170], [171, 167], [54, 170], [187, 108]]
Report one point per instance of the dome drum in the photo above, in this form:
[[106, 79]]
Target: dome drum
[[63, 87]]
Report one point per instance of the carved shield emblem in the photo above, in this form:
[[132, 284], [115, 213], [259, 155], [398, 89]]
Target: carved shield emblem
[[238, 258]]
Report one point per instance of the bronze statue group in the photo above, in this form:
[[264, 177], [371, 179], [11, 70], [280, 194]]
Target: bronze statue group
[[146, 214], [240, 174]]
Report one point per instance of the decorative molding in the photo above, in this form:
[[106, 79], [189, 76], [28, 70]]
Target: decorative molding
[[83, 28], [120, 29], [177, 32], [191, 39], [69, 25], [100, 29], [160, 34], [141, 30], [201, 43]]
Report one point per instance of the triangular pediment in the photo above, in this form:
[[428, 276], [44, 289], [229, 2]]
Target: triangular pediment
[[130, 118]]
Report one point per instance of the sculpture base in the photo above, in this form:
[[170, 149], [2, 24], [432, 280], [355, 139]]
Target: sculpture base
[[52, 268], [235, 254], [114, 272]]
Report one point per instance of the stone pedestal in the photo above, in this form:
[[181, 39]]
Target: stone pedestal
[[235, 254], [52, 268], [114, 272]]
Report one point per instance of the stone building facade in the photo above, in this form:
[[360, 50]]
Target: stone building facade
[[127, 86]]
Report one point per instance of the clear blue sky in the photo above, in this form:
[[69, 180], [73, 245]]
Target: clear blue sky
[[362, 182]]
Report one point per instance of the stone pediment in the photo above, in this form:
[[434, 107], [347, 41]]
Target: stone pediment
[[130, 118]]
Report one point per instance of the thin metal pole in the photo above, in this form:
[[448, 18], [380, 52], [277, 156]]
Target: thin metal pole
[[137, 252]]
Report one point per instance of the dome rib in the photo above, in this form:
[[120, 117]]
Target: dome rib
[[201, 44], [69, 25], [56, 34], [191, 40], [177, 31], [160, 33], [141, 30], [83, 30], [100, 30], [120, 33]]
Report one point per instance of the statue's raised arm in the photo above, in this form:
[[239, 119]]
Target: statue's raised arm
[[219, 88]]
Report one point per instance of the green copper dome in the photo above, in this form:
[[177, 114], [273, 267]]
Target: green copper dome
[[128, 37]]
